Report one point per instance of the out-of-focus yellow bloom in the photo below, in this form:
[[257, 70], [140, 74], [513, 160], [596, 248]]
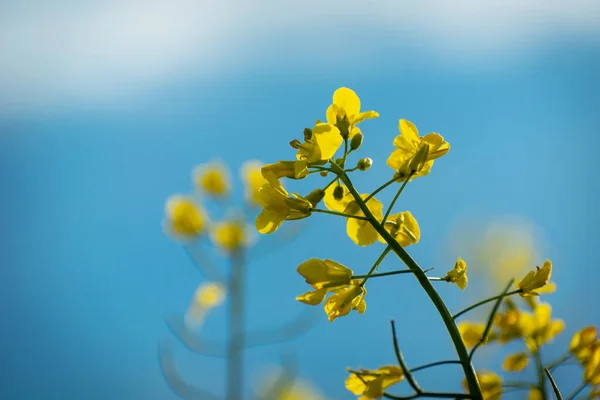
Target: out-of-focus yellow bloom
[[410, 145], [278, 206], [184, 217], [370, 384], [535, 279], [324, 276], [286, 169], [591, 374], [513, 324], [535, 394], [346, 299], [251, 175], [543, 328], [472, 333], [320, 143], [212, 179], [232, 235], [490, 384], [458, 274], [360, 231], [340, 203], [583, 343], [299, 391], [515, 362], [403, 227], [345, 114], [208, 295], [595, 392]]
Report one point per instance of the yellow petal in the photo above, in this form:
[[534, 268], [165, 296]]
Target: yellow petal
[[328, 139], [313, 297], [337, 205], [360, 117], [515, 362], [348, 100], [320, 272], [269, 220], [253, 179], [361, 232]]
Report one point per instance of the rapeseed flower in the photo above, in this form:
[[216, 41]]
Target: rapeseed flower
[[212, 179], [184, 217], [371, 384]]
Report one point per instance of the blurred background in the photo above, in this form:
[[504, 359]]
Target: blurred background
[[106, 106]]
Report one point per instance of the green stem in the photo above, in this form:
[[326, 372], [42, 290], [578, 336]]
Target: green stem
[[461, 350], [380, 188], [374, 267], [398, 193], [339, 214], [235, 351], [400, 271], [554, 385], [561, 360], [577, 391], [540, 373], [482, 302]]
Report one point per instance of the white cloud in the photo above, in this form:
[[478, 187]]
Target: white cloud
[[74, 53]]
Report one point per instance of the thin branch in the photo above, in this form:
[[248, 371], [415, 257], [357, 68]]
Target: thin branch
[[435, 364], [488, 326], [482, 302], [398, 193], [339, 214], [411, 380], [577, 391], [431, 395], [553, 383]]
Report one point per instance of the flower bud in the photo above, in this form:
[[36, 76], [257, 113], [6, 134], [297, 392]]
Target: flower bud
[[323, 173], [307, 134], [340, 161], [356, 141], [419, 159], [338, 193], [315, 196], [364, 164]]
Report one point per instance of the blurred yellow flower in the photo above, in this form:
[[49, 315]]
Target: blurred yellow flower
[[252, 177], [591, 375], [490, 383], [403, 227], [472, 333], [278, 206], [535, 279], [584, 343], [207, 296], [595, 392], [320, 143], [212, 179], [184, 217], [345, 114], [370, 384], [458, 274], [515, 362], [409, 145], [360, 231], [346, 299], [324, 276], [513, 324], [231, 235], [543, 328], [535, 394]]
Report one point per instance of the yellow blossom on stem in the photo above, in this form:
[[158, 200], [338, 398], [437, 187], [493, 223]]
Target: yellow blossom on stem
[[535, 280], [324, 276], [346, 299], [595, 392], [403, 227], [490, 383], [583, 343], [251, 175], [231, 235], [472, 333], [278, 206], [515, 362], [458, 274], [207, 296], [543, 328], [410, 145], [320, 144], [345, 114], [340, 203], [591, 374], [513, 324], [535, 394], [212, 179], [286, 169], [360, 231], [184, 217], [370, 384]]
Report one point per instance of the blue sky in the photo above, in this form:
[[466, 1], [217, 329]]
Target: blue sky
[[96, 132]]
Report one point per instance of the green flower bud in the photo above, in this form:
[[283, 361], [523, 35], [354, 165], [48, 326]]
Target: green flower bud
[[315, 196], [323, 173], [364, 164], [419, 159], [307, 134], [340, 161], [356, 141], [338, 193]]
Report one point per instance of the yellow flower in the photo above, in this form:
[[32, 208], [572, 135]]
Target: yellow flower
[[212, 179], [409, 145], [287, 169], [513, 324], [543, 329], [583, 343], [184, 217], [320, 143], [346, 299], [535, 279], [515, 362], [207, 296], [595, 392], [231, 235], [324, 276], [458, 274], [360, 231], [472, 333], [337, 204], [591, 375], [535, 394], [403, 227], [251, 175], [345, 114], [490, 383], [370, 384], [278, 206], [298, 391]]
